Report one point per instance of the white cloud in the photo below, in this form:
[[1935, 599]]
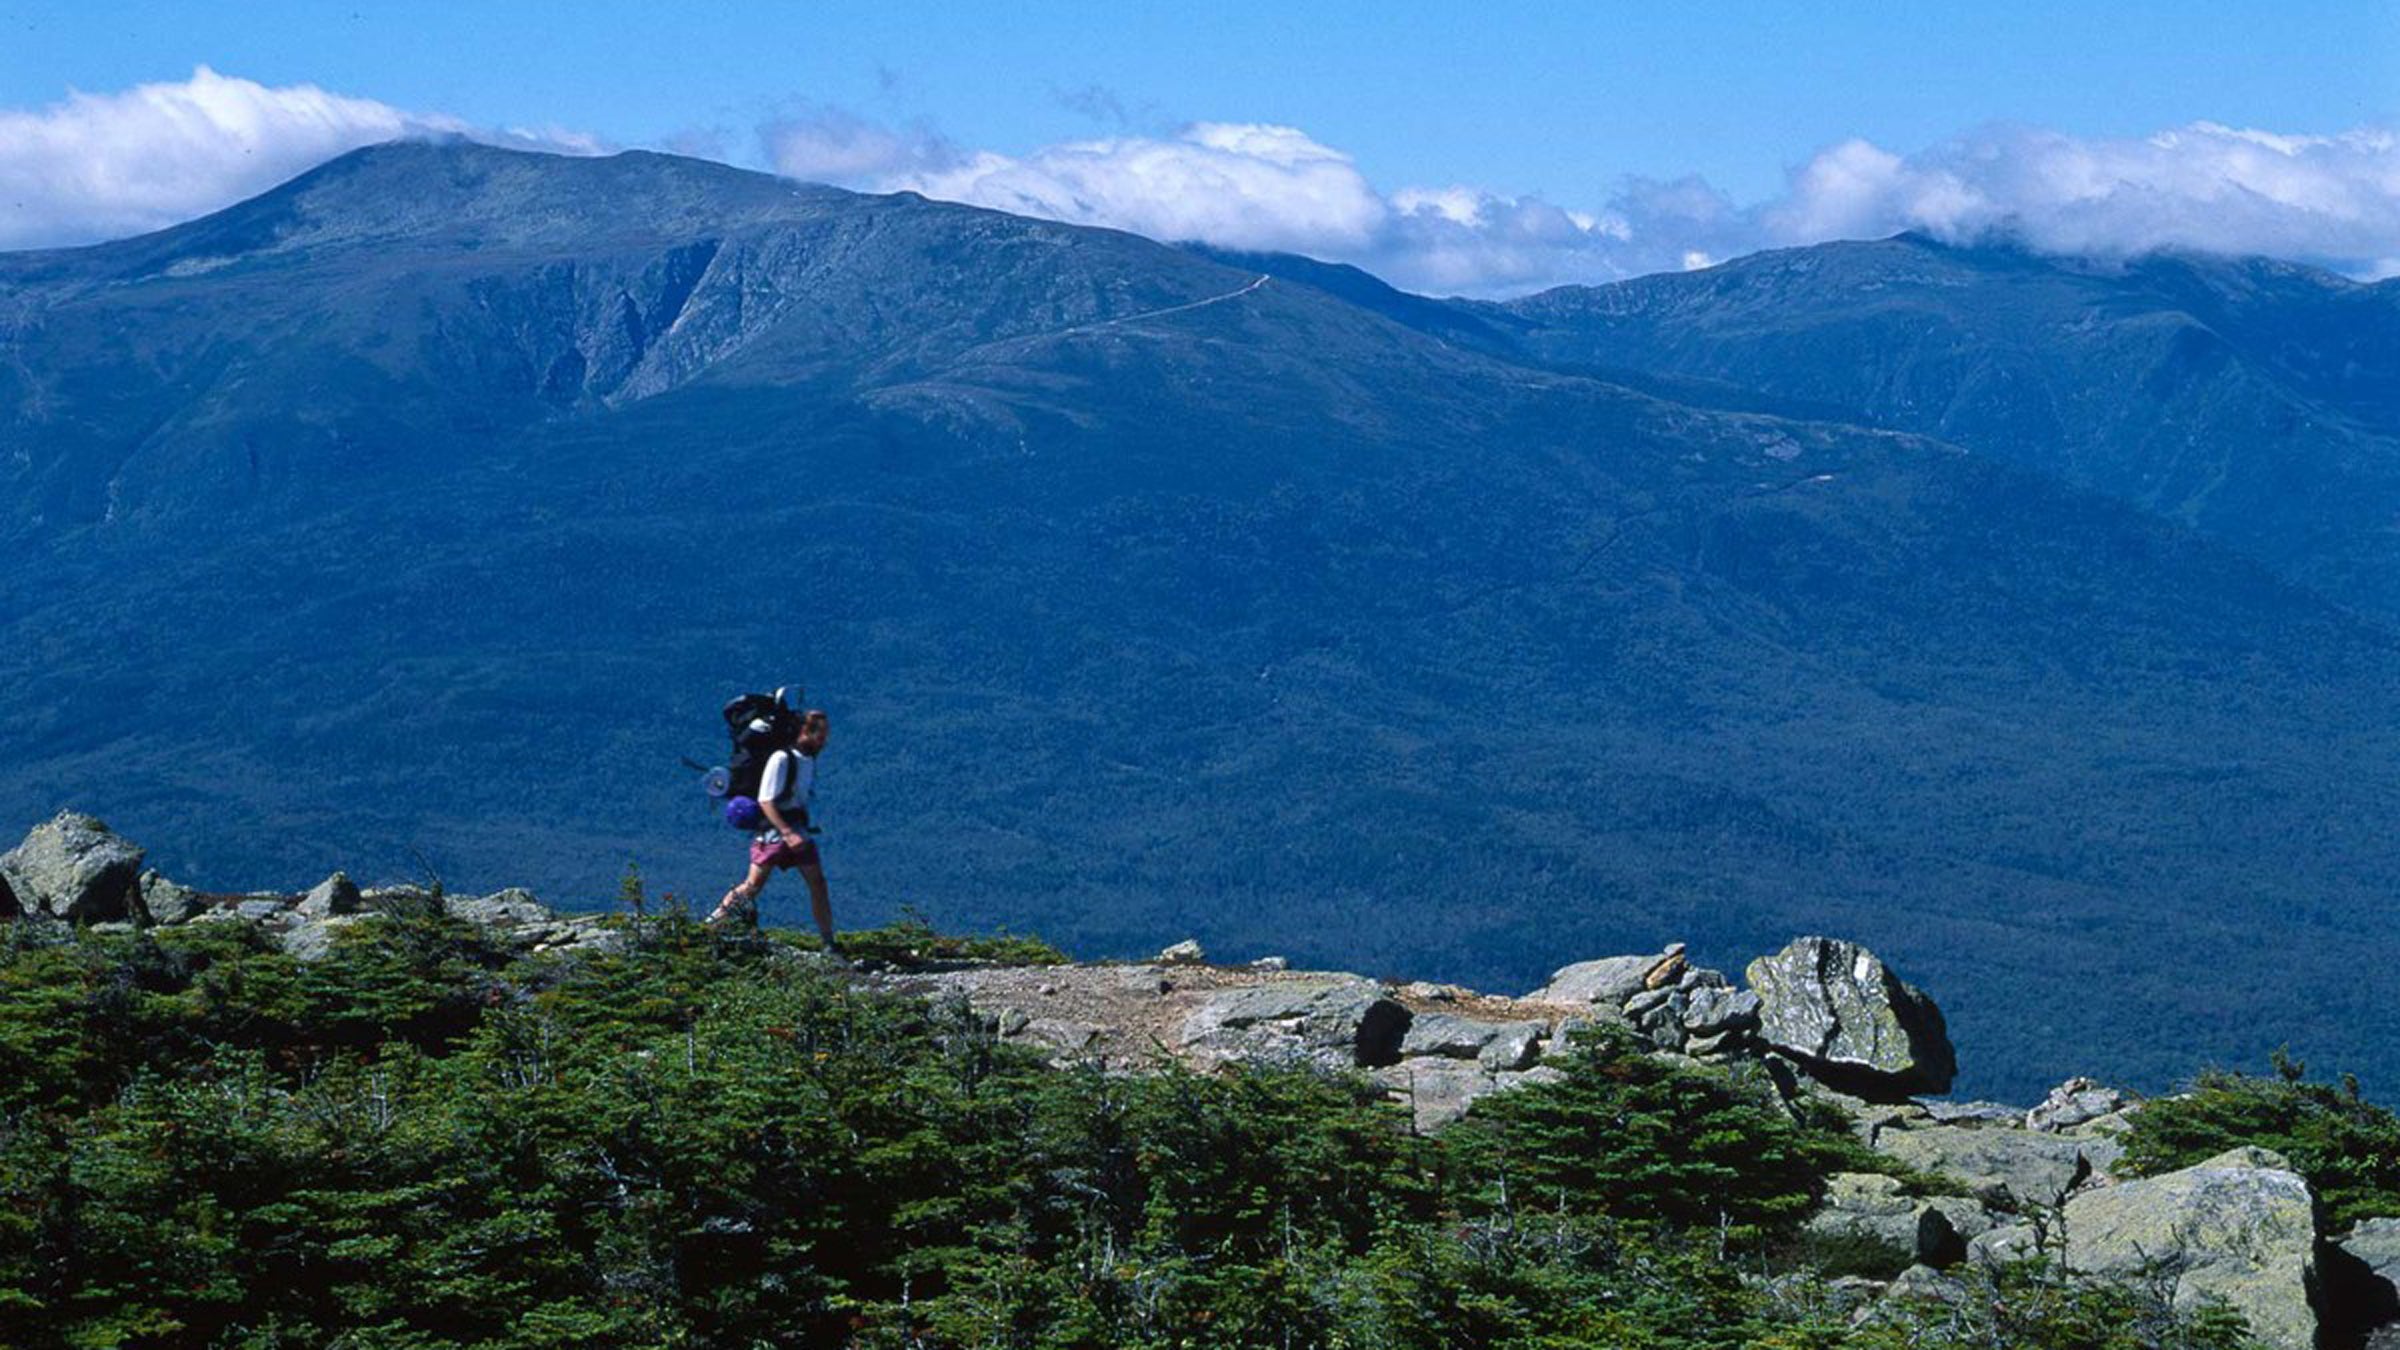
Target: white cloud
[[1239, 185], [2333, 199], [96, 166], [100, 166]]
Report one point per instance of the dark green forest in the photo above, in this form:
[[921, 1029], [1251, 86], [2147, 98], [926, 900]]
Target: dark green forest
[[713, 1140]]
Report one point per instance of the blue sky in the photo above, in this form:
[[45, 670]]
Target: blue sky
[[1563, 106]]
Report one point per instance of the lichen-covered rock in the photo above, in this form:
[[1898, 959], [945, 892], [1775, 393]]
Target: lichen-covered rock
[[1447, 1035], [510, 908], [1515, 1046], [1713, 1010], [1850, 1022], [2008, 1166], [1609, 981], [1188, 952], [313, 939], [2239, 1227], [336, 894], [1336, 1020], [1995, 1114], [1437, 1090], [73, 867], [169, 902], [2076, 1102], [2361, 1281], [1865, 1206]]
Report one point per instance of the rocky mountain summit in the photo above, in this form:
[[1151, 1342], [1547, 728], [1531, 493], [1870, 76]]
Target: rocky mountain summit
[[1826, 1023]]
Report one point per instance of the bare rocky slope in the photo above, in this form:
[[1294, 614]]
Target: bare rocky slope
[[1822, 1020]]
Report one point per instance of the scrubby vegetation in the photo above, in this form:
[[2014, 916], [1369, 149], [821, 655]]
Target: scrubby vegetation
[[699, 1141], [2347, 1147]]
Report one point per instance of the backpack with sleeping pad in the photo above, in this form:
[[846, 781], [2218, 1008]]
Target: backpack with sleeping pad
[[759, 725]]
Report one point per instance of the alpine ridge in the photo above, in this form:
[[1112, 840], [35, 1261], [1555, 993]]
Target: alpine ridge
[[419, 513]]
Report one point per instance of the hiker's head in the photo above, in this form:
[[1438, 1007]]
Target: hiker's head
[[813, 726]]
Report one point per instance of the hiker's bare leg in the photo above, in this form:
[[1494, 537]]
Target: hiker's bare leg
[[820, 902], [740, 896]]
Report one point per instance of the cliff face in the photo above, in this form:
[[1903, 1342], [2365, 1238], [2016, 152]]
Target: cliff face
[[1821, 1026]]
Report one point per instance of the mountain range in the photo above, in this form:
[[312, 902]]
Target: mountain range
[[2029, 619]]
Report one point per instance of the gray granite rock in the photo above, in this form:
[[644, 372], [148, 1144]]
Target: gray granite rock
[[1974, 1113], [2076, 1102], [1928, 1231], [1336, 1020], [1185, 953], [510, 908], [73, 867], [1608, 981], [1515, 1046], [1437, 1090], [1447, 1035], [313, 939], [336, 894], [1850, 1022], [1713, 1009], [2011, 1167], [169, 902], [2362, 1280], [2239, 1227]]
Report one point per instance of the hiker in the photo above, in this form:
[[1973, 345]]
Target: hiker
[[784, 789]]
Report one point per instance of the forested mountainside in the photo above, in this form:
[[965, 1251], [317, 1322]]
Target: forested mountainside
[[416, 517]]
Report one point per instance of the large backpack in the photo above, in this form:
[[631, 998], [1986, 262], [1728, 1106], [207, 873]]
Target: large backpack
[[760, 725]]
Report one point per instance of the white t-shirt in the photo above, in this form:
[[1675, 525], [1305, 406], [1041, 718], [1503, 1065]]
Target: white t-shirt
[[790, 780]]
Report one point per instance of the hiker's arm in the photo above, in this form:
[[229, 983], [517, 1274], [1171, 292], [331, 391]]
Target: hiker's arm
[[778, 776], [790, 835]]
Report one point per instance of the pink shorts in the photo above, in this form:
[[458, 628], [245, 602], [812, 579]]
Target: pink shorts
[[774, 854]]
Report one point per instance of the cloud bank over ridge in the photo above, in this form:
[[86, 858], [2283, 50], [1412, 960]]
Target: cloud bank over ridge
[[2332, 200], [98, 166], [103, 166]]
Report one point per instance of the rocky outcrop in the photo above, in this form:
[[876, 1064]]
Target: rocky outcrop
[[2004, 1164], [1836, 1009], [2076, 1103], [335, 895], [1609, 981], [1928, 1231], [73, 867], [2360, 1279], [169, 902], [1825, 1021], [2238, 1227]]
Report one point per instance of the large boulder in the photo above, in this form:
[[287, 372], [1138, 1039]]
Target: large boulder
[[2238, 1227], [1865, 1206], [169, 902], [1611, 980], [2078, 1102], [2361, 1282], [1438, 1091], [335, 895], [73, 867], [2007, 1166], [1838, 1011], [1338, 1021]]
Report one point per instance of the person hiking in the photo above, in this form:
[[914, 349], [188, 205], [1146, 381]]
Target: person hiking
[[784, 790]]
